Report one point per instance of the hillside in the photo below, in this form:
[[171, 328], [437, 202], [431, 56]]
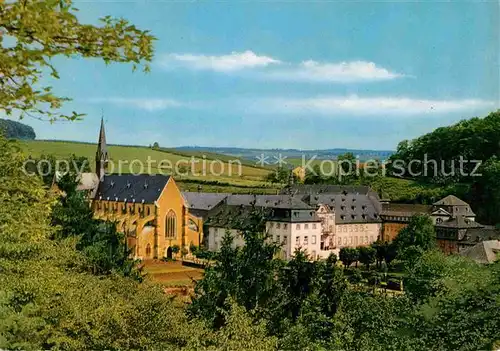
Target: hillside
[[320, 154], [131, 158], [16, 130]]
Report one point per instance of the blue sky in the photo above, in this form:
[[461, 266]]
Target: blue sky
[[287, 74]]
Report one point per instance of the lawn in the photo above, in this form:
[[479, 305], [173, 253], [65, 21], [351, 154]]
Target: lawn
[[173, 273]]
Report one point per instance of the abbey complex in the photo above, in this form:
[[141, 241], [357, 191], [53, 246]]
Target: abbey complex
[[160, 220]]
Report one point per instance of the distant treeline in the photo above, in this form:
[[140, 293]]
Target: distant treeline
[[16, 130], [465, 156], [436, 156]]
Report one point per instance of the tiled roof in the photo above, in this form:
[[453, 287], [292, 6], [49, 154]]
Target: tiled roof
[[451, 200], [132, 188], [483, 252]]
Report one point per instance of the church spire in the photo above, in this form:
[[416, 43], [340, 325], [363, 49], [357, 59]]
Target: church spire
[[101, 156]]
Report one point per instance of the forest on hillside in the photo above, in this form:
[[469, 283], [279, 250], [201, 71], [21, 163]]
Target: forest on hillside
[[16, 130], [465, 155]]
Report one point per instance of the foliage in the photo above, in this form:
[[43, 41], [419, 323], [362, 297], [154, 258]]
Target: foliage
[[418, 236], [486, 191], [448, 157], [175, 249], [104, 247], [280, 175], [39, 31], [48, 165], [473, 139], [16, 130], [366, 255], [245, 274], [348, 255], [384, 252]]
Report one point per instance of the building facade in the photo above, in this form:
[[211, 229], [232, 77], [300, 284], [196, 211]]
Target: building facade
[[149, 209]]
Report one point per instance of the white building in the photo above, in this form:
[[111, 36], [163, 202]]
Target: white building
[[290, 222], [319, 222]]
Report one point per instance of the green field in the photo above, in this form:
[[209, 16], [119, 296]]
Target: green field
[[141, 159]]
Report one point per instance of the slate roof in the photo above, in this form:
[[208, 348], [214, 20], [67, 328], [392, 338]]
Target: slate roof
[[350, 208], [234, 210], [475, 235], [308, 189], [203, 201], [404, 210], [268, 201], [451, 200], [128, 187], [234, 217], [484, 252], [459, 222]]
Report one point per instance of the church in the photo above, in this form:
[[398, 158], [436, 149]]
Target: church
[[149, 209]]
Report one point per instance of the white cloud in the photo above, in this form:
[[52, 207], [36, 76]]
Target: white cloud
[[343, 72], [224, 63], [148, 104], [265, 67], [372, 106]]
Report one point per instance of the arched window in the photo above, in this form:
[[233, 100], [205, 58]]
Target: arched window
[[170, 224]]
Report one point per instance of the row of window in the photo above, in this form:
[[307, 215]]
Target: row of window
[[351, 228], [355, 240], [305, 241], [297, 226], [131, 209]]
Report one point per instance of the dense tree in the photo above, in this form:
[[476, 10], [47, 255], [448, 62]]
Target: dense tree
[[104, 247], [384, 251], [367, 255], [418, 236], [16, 130], [280, 175], [246, 274], [486, 191], [348, 255], [40, 30], [449, 156]]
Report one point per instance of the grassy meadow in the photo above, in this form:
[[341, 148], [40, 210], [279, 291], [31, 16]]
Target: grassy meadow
[[206, 168]]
